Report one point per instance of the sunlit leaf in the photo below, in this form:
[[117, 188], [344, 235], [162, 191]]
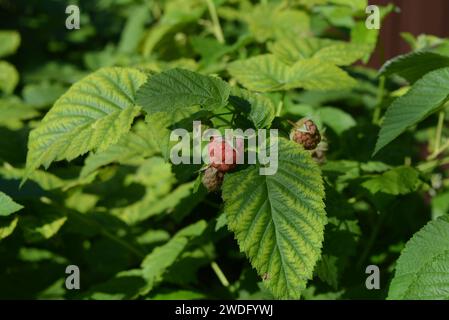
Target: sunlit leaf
[[278, 220]]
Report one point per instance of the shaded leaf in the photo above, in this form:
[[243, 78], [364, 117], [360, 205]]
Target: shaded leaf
[[261, 109], [413, 66], [425, 97], [161, 258], [400, 180]]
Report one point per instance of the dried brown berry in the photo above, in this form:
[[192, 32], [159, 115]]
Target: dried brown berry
[[306, 133], [212, 179], [319, 154]]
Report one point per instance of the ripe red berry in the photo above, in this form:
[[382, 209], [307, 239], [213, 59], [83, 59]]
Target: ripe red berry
[[222, 155]]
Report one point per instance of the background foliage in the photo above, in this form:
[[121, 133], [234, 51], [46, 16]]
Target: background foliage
[[98, 192]]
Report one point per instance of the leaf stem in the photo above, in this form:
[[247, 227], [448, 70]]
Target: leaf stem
[[218, 32], [371, 240], [107, 234], [224, 281]]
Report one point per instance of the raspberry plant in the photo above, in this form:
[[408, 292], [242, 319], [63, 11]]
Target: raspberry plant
[[86, 176]]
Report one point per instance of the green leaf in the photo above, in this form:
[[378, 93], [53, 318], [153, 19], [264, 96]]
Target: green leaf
[[174, 89], [179, 295], [400, 180], [291, 49], [425, 97], [44, 225], [7, 205], [9, 42], [93, 114], [354, 4], [7, 226], [279, 219], [327, 270], [42, 94], [156, 175], [134, 28], [338, 16], [131, 148], [422, 270], [45, 180], [161, 124], [161, 258], [13, 111], [177, 15], [413, 66], [9, 77], [261, 73], [124, 285], [266, 73], [262, 110], [360, 34], [342, 54], [268, 21]]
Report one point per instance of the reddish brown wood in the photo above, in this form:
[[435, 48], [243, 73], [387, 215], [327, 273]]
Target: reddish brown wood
[[416, 17]]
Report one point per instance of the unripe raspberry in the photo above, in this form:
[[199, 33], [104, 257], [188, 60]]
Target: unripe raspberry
[[212, 179], [306, 133], [222, 155]]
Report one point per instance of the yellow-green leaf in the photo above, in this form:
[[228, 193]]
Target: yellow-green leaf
[[93, 114], [9, 42], [279, 219], [9, 77], [266, 73], [7, 205]]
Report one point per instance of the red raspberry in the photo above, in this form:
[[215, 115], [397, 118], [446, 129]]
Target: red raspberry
[[222, 155]]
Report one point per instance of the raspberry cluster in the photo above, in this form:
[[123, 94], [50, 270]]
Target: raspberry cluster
[[223, 158]]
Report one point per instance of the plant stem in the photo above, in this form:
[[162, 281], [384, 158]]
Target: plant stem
[[439, 130], [380, 96], [371, 240], [216, 22], [224, 120], [437, 142], [280, 106], [431, 165], [220, 114], [224, 281], [107, 234]]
